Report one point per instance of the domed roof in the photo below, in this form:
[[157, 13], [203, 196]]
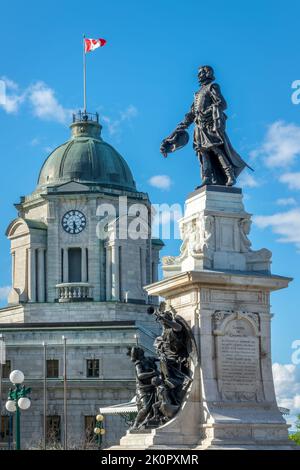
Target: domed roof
[[86, 158]]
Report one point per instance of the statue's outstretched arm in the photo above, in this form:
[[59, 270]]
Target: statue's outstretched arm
[[175, 141], [188, 119]]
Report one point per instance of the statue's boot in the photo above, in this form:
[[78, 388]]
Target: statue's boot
[[231, 180], [227, 167], [206, 170]]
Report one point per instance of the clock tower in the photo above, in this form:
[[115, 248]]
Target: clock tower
[[57, 254], [82, 252]]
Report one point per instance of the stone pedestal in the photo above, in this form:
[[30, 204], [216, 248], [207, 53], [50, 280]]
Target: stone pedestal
[[214, 232], [222, 289]]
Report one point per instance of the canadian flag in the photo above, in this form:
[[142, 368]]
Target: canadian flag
[[92, 44]]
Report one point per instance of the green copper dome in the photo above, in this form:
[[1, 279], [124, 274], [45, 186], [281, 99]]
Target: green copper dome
[[86, 158]]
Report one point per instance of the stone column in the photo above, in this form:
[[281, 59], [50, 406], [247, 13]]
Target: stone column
[[115, 272], [13, 262], [266, 358], [143, 268], [151, 266], [65, 265], [83, 265], [53, 249], [41, 274], [31, 275], [154, 271], [108, 272], [102, 272]]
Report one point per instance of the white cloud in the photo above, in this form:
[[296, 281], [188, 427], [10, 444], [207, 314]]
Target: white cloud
[[248, 181], [4, 291], [281, 145], [10, 100], [291, 179], [160, 181], [45, 104], [11, 103], [286, 201], [10, 84], [285, 224], [39, 95], [287, 388], [114, 125]]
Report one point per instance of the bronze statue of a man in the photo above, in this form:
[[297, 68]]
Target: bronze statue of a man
[[220, 163]]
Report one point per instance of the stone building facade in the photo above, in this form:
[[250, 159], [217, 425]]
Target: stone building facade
[[81, 251]]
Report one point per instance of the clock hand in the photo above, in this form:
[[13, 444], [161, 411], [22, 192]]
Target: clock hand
[[74, 225]]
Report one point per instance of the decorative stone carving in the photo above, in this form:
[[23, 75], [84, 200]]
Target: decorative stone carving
[[259, 260], [169, 260], [223, 318], [219, 316], [192, 243], [214, 232], [209, 233], [245, 226]]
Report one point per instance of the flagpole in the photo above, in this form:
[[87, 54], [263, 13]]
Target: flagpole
[[84, 76]]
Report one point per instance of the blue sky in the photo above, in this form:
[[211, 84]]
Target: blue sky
[[142, 83]]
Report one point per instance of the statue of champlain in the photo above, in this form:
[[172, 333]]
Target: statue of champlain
[[220, 163]]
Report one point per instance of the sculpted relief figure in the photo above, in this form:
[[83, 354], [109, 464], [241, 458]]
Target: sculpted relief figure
[[192, 243], [145, 371], [220, 163], [160, 390], [209, 233], [245, 226]]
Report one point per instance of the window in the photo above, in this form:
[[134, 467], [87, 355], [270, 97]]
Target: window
[[87, 264], [53, 428], [62, 265], [92, 368], [52, 368], [74, 255], [6, 369], [89, 426], [6, 430]]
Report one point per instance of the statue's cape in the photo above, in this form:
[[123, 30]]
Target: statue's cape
[[174, 141], [238, 163]]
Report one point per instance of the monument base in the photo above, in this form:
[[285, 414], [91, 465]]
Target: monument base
[[221, 288]]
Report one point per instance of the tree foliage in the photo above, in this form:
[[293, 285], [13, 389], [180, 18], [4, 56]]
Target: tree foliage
[[296, 435]]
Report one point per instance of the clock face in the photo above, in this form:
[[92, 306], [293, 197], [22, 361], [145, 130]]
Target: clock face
[[74, 222]]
